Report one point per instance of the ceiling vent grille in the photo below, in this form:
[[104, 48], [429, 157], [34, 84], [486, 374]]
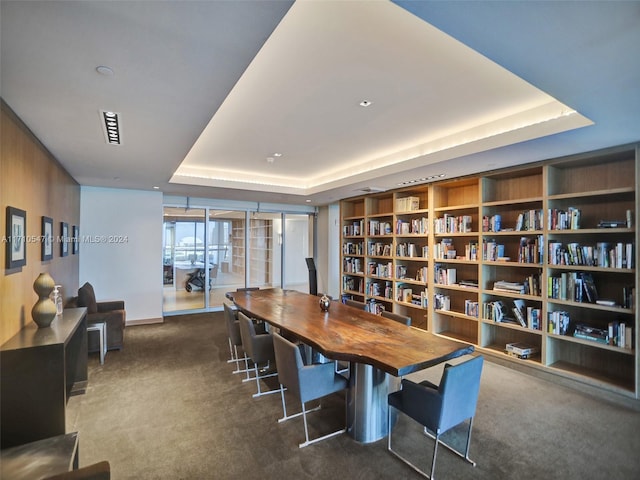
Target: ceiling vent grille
[[111, 124]]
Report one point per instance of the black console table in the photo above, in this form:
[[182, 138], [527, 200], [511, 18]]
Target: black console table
[[40, 369]]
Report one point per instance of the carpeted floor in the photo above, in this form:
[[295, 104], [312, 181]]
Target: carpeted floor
[[168, 407]]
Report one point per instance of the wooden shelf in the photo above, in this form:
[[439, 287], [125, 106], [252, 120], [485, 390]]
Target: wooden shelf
[[602, 185]]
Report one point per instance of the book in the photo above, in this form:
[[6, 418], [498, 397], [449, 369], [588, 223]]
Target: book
[[521, 348]]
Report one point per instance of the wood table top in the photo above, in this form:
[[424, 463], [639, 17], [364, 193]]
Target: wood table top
[[349, 334]]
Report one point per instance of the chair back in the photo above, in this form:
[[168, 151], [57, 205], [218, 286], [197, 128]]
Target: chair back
[[289, 363], [233, 325], [459, 388], [397, 317], [247, 334]]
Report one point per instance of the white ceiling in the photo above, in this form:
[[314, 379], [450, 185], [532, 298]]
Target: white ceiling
[[208, 91]]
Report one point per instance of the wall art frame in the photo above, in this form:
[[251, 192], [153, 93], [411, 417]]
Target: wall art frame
[[46, 239], [75, 246], [64, 239], [16, 236]]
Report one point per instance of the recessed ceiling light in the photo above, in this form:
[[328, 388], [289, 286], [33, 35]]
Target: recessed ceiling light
[[277, 154], [111, 125], [104, 70], [156, 187], [423, 179], [365, 103]]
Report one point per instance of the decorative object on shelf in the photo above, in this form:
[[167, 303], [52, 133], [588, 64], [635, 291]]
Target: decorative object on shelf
[[47, 239], [44, 311], [16, 236], [64, 241], [57, 299], [325, 302]]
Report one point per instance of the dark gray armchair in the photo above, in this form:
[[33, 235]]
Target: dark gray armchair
[[306, 382], [112, 313], [439, 408]]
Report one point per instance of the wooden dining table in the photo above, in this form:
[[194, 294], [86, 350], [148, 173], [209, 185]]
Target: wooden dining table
[[379, 350]]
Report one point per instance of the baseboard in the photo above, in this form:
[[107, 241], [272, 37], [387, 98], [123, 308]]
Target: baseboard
[[567, 381], [144, 321]]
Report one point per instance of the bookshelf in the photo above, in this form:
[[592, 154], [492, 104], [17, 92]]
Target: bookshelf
[[505, 257]]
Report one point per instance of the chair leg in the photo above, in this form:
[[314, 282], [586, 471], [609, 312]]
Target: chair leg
[[286, 417], [401, 458], [237, 359], [259, 377], [308, 442], [465, 455]]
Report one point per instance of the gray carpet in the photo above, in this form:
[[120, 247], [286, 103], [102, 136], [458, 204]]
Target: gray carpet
[[168, 407]]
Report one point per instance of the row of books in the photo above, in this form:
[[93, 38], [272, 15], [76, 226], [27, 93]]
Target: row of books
[[412, 250], [377, 289], [603, 254], [379, 249], [444, 275], [407, 204], [380, 269], [620, 334], [376, 227], [415, 226], [353, 248], [353, 229], [572, 286], [471, 308], [442, 302], [407, 295], [558, 219], [453, 224], [558, 322], [352, 284], [352, 265], [527, 220], [518, 313]]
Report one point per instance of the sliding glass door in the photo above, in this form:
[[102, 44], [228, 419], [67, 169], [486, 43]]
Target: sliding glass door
[[298, 245], [208, 252], [184, 272]]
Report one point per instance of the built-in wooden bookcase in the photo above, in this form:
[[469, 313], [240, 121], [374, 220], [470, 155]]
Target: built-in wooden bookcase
[[461, 256], [353, 247], [456, 250], [411, 254], [601, 194], [512, 259]]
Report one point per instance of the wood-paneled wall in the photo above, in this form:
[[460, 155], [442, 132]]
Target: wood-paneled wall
[[32, 179]]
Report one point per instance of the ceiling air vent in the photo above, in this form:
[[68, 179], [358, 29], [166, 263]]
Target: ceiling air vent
[[111, 127], [372, 189]]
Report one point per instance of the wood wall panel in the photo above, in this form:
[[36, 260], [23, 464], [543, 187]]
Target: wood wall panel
[[32, 179]]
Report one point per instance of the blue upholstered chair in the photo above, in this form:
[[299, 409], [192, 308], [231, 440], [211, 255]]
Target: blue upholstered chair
[[397, 317], [307, 382], [440, 408], [258, 349]]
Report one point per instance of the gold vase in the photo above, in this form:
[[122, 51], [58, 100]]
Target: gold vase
[[44, 311]]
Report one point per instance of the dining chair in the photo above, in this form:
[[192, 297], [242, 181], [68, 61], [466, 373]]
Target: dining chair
[[306, 382], [259, 349], [404, 319], [235, 338], [439, 408]]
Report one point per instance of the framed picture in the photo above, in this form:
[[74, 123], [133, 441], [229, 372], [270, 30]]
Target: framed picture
[[74, 239], [16, 237], [64, 239], [46, 239]]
